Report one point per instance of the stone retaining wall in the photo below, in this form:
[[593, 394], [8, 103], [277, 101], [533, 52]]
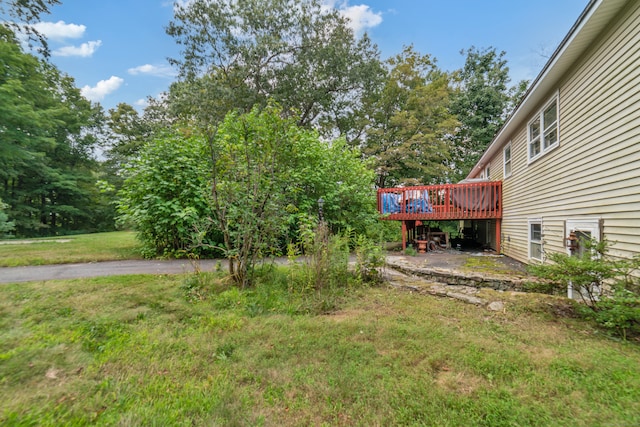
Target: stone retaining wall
[[454, 277]]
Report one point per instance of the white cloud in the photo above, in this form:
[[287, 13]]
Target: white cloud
[[84, 50], [102, 88], [153, 70], [142, 102], [361, 17], [60, 30]]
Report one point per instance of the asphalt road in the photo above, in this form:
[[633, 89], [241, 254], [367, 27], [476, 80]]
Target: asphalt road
[[95, 269]]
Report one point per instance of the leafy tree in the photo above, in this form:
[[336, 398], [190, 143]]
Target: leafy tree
[[410, 121], [255, 182], [267, 171], [46, 151], [127, 133], [298, 53], [481, 103], [22, 14]]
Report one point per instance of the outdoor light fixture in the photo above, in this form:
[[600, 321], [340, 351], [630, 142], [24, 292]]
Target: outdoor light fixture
[[571, 242], [320, 205]]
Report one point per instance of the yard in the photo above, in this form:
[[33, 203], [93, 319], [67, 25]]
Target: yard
[[163, 350]]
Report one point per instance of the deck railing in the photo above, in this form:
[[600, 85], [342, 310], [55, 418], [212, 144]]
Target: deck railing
[[476, 200]]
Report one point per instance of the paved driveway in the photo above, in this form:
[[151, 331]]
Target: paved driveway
[[451, 260]]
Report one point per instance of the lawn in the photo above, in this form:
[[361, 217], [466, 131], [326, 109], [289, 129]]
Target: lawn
[[69, 249], [173, 350]]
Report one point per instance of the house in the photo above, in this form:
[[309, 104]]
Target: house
[[567, 159], [569, 155]]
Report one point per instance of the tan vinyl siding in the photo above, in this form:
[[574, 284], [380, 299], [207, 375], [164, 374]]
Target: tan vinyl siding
[[595, 171]]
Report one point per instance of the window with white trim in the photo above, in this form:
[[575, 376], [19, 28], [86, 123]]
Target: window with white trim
[[543, 130], [506, 156], [535, 239]]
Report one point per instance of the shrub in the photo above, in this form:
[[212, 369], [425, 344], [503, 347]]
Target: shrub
[[609, 287], [410, 251], [166, 195]]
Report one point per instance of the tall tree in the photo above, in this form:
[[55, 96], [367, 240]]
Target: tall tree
[[410, 121], [298, 53], [481, 103], [46, 145]]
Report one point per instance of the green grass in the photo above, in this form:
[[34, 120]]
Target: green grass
[[69, 249], [165, 350]]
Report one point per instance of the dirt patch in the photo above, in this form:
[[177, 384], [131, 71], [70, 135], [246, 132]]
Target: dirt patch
[[459, 382], [28, 242]]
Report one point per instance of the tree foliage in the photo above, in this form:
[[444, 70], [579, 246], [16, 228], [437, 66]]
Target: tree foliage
[[254, 181], [298, 53], [481, 103], [410, 122], [267, 171], [6, 226], [22, 14], [127, 133], [47, 136], [165, 194]]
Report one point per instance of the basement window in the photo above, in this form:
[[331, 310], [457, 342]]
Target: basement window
[[535, 239]]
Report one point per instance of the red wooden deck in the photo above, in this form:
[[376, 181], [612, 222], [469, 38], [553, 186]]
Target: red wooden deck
[[476, 200]]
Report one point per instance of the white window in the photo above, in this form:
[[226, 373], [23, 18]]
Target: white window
[[506, 156], [535, 239], [543, 130], [487, 172]]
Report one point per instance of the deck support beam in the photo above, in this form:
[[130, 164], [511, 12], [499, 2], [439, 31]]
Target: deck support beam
[[498, 235], [404, 235]]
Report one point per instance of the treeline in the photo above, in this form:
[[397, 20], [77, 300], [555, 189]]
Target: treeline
[[199, 161], [48, 134]]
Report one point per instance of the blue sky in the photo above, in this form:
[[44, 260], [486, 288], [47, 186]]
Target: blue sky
[[117, 50]]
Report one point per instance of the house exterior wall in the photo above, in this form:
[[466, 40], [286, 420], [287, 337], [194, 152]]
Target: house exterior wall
[[594, 172]]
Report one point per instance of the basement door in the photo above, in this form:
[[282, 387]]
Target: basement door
[[585, 229]]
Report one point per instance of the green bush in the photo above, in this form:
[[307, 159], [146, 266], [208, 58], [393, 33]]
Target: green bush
[[609, 287], [166, 196], [410, 251]]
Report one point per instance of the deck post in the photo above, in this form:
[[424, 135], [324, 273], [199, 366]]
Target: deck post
[[404, 235], [498, 235]]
